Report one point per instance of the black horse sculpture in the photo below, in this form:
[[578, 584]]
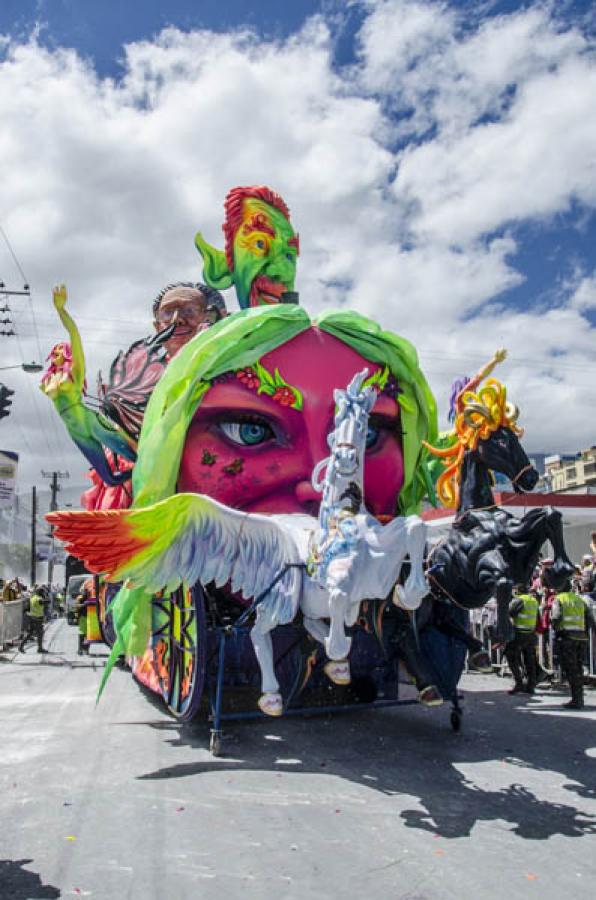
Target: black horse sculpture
[[488, 551]]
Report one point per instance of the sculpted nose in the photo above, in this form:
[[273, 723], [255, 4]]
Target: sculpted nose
[[307, 497], [280, 269]]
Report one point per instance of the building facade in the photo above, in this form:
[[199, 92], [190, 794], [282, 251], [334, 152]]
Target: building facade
[[571, 474]]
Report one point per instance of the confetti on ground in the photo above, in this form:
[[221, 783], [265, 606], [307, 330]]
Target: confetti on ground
[[180, 809], [70, 837], [531, 877], [439, 853]]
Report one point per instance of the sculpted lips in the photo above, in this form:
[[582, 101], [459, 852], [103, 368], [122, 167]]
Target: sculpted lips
[[264, 290]]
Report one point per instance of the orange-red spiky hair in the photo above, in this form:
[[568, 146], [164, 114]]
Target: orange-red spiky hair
[[233, 207]]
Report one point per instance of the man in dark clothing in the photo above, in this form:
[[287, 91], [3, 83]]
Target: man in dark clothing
[[571, 617], [521, 649], [444, 620], [35, 618], [402, 639]]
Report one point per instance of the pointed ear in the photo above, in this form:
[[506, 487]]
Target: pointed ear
[[215, 269]]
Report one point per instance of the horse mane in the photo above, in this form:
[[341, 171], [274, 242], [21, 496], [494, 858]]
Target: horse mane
[[481, 414]]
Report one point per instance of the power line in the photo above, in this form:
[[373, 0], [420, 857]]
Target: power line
[[40, 355], [35, 407], [14, 256], [59, 444], [511, 358]]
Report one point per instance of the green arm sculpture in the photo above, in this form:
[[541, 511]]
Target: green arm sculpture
[[64, 384]]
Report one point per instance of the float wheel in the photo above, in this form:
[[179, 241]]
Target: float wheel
[[179, 649], [106, 595]]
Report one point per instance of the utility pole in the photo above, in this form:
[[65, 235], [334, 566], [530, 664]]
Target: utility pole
[[54, 487], [26, 292], [6, 293], [33, 536]]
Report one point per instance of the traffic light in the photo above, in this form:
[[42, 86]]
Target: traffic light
[[5, 401]]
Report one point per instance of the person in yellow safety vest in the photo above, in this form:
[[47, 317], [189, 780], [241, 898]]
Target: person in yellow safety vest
[[571, 616], [521, 649], [35, 618]]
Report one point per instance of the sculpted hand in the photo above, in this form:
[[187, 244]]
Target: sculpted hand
[[500, 355], [59, 296]]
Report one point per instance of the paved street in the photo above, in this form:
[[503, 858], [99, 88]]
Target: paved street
[[118, 801]]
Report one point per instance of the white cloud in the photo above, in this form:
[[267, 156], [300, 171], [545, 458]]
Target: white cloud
[[530, 164], [105, 183], [584, 295]]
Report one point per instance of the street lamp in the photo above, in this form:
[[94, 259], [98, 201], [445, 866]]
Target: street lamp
[[31, 367]]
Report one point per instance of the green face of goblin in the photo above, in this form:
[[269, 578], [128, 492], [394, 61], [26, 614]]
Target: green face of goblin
[[263, 251]]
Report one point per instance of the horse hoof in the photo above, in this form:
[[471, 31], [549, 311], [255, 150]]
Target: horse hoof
[[271, 704], [338, 671], [430, 696]]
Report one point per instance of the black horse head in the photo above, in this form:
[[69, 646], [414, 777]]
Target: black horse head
[[502, 452]]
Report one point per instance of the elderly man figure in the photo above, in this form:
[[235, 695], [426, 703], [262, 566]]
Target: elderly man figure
[[191, 308]]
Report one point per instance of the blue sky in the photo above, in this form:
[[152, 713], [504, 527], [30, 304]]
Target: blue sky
[[100, 29], [435, 156], [549, 251]]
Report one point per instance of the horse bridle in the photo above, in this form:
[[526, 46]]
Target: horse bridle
[[521, 472]]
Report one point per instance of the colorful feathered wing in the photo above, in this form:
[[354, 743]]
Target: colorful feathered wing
[[133, 376], [186, 538]]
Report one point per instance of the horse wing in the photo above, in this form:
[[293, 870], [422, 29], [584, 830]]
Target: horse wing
[[186, 538]]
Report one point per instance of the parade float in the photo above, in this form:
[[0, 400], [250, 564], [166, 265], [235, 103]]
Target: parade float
[[254, 517]]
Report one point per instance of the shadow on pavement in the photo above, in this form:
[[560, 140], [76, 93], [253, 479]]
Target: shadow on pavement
[[18, 883], [413, 752], [46, 659]]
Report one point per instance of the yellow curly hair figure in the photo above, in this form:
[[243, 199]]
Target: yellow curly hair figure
[[479, 412]]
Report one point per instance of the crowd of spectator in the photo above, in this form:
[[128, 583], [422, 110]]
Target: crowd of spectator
[[538, 651], [38, 604], [15, 589]]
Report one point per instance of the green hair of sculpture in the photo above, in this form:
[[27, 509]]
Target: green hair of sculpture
[[242, 339]]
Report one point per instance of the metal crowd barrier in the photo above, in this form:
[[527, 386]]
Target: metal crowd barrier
[[12, 620], [546, 649]]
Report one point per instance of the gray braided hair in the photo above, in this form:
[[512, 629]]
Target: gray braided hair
[[213, 297]]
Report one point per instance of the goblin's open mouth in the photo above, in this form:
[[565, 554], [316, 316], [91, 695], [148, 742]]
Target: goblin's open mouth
[[264, 290]]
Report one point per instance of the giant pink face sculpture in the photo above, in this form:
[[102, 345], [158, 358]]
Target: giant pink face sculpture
[[252, 452]]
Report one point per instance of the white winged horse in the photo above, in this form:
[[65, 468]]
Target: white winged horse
[[191, 537]]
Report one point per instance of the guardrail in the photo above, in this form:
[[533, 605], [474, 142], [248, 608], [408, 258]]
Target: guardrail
[[546, 650], [12, 620]]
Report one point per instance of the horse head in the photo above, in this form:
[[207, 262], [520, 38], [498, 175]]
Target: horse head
[[502, 452], [485, 437]]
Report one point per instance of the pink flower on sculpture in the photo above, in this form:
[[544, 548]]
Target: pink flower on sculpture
[[248, 377], [284, 396]]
